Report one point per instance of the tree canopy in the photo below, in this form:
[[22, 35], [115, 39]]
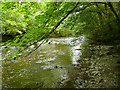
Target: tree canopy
[[25, 24]]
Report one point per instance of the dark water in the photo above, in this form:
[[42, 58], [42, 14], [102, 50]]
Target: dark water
[[64, 63]]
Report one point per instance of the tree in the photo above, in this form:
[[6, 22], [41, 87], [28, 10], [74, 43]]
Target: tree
[[34, 22]]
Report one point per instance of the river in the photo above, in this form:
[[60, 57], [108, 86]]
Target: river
[[64, 63]]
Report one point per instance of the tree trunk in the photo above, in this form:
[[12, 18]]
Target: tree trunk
[[113, 10]]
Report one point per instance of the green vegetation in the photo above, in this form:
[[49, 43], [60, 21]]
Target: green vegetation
[[72, 61], [24, 24]]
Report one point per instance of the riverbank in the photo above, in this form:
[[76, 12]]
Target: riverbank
[[98, 68]]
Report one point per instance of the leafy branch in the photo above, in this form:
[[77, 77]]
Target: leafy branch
[[53, 29]]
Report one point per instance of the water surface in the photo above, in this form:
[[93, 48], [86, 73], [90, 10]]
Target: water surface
[[64, 63]]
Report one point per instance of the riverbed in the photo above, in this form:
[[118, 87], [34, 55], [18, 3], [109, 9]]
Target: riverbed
[[65, 63]]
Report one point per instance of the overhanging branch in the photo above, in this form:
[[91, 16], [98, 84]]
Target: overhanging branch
[[53, 29]]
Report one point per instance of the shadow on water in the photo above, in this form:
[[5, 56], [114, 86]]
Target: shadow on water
[[64, 63]]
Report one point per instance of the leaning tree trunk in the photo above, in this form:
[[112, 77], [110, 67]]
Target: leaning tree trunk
[[114, 12]]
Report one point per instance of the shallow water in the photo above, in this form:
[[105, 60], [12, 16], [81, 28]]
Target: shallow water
[[64, 63]]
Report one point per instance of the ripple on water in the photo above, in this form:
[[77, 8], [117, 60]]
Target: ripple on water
[[48, 67], [46, 60]]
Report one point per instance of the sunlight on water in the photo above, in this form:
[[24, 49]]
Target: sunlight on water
[[54, 65], [50, 61], [76, 55], [47, 60]]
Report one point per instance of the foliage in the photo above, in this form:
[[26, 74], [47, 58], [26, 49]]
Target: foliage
[[27, 23]]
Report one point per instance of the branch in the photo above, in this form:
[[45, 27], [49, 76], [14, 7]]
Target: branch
[[53, 29], [100, 9], [35, 48], [69, 12], [113, 10]]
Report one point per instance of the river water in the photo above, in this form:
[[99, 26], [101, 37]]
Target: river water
[[64, 63]]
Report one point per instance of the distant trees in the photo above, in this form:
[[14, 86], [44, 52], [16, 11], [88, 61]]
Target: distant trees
[[99, 21]]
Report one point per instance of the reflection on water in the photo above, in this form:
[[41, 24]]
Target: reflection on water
[[63, 63], [76, 56], [48, 65]]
